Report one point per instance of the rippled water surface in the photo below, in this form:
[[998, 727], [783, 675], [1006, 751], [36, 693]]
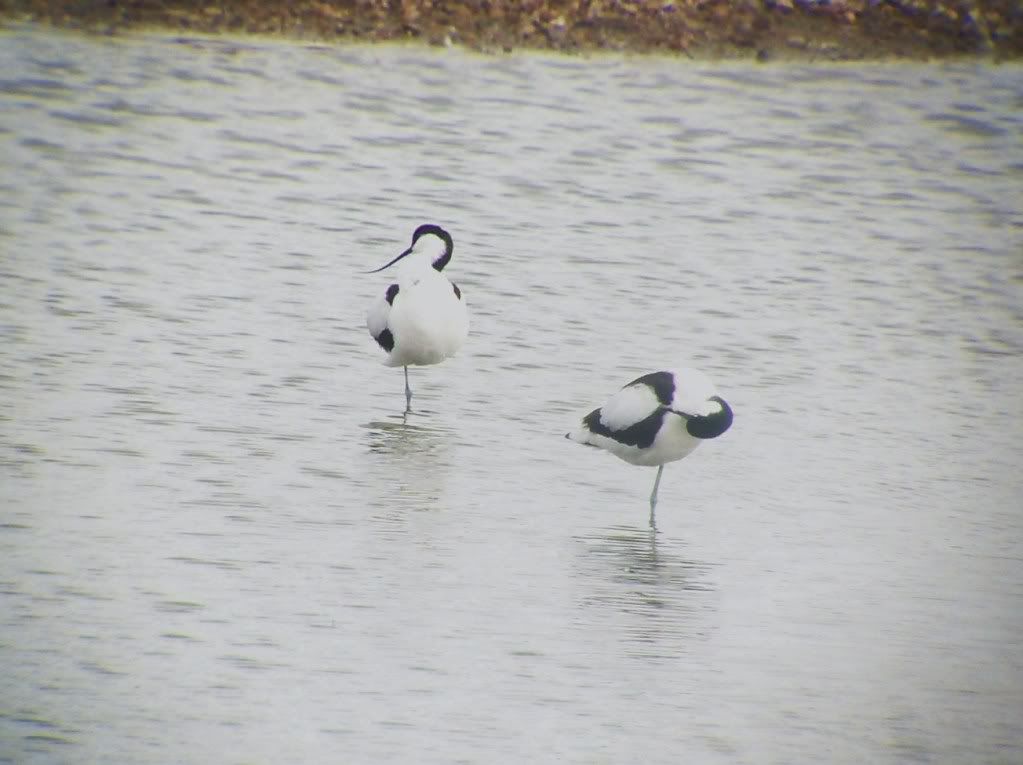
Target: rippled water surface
[[220, 542]]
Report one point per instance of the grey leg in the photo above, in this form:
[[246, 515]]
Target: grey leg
[[653, 494], [408, 394]]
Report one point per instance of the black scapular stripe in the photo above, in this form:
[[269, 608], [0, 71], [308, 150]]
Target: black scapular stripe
[[392, 293], [458, 292], [386, 340], [662, 384], [641, 434]]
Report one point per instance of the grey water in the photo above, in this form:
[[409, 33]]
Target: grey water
[[221, 542]]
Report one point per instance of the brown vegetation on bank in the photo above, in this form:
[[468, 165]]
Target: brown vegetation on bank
[[835, 29]]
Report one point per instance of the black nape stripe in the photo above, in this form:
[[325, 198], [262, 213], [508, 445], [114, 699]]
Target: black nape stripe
[[662, 384], [458, 292], [386, 339], [443, 260], [392, 293], [713, 425], [444, 236], [641, 434]]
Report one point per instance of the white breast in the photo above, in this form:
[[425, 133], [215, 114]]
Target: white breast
[[427, 320]]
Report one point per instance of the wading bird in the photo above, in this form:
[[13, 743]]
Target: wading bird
[[421, 318], [655, 419]]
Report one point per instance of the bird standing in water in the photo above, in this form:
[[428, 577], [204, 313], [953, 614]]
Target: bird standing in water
[[421, 318], [655, 419]]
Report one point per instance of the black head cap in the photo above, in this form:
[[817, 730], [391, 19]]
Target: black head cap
[[449, 245], [426, 228]]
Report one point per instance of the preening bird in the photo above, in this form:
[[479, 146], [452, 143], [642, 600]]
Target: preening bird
[[421, 317], [656, 419]]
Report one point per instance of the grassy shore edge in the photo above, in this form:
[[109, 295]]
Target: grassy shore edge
[[839, 30]]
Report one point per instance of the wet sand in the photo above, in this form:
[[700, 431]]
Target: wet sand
[[763, 29]]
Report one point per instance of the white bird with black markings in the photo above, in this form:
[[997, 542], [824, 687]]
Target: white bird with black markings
[[421, 318], [656, 419]]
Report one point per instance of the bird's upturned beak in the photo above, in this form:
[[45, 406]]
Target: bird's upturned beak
[[375, 270]]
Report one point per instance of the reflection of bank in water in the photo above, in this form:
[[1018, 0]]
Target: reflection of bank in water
[[406, 465], [659, 598]]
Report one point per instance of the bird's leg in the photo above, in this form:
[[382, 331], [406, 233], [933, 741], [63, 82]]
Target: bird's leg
[[408, 394], [653, 496]]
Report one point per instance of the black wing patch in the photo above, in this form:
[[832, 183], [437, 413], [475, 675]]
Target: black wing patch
[[386, 339], [712, 425], [458, 292], [392, 293], [641, 434], [661, 383]]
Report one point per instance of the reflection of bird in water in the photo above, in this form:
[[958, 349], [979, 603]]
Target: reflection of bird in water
[[398, 437], [655, 419], [663, 593], [421, 318], [410, 463]]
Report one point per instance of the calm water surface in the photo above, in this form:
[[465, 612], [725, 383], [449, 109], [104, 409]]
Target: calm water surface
[[219, 542]]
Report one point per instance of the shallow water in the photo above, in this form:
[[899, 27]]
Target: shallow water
[[221, 543]]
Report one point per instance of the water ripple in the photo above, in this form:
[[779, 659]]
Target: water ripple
[[211, 491]]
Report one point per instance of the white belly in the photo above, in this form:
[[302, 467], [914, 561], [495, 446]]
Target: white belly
[[428, 322], [672, 443]]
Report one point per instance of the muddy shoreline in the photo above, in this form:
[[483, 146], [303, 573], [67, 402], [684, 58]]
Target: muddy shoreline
[[840, 30]]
